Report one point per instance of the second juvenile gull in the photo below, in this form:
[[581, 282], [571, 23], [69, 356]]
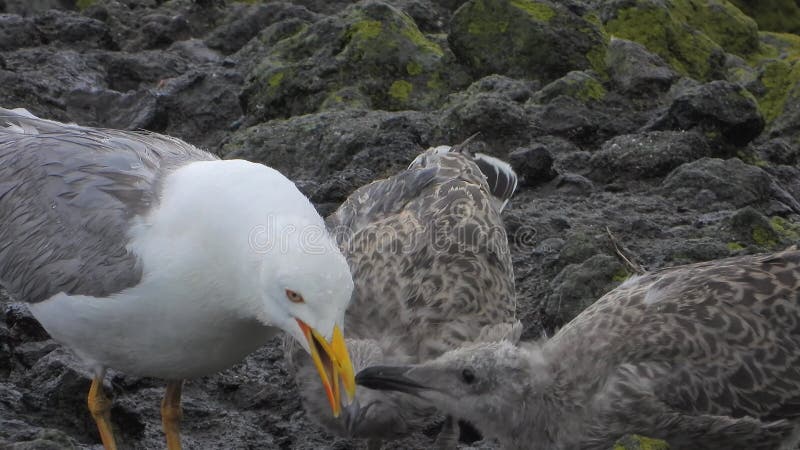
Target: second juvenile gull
[[704, 356]]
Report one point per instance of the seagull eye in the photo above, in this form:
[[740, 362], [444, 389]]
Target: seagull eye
[[294, 297], [468, 376]]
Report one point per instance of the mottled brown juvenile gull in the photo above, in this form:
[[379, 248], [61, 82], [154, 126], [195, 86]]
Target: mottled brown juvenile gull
[[432, 272], [704, 356], [144, 254]]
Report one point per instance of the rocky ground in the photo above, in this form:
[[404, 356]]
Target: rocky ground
[[667, 131]]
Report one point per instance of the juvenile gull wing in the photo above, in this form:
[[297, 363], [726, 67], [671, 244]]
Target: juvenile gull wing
[[715, 338], [429, 255], [67, 196]]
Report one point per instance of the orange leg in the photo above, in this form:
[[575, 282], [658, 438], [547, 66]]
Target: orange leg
[[171, 414], [100, 407]]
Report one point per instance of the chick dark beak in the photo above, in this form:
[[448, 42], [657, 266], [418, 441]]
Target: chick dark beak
[[352, 414], [389, 378]]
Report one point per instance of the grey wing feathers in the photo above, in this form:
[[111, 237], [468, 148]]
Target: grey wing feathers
[[716, 338], [500, 177], [67, 194]]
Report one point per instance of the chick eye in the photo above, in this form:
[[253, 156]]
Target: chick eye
[[468, 376], [294, 297]]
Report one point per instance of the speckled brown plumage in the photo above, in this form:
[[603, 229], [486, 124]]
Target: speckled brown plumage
[[704, 356], [432, 271]]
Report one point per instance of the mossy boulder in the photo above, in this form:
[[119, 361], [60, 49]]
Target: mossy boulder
[[778, 76], [772, 15], [749, 226], [534, 39], [691, 35], [371, 46]]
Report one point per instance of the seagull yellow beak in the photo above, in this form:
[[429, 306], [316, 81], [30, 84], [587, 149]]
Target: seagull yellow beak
[[333, 364]]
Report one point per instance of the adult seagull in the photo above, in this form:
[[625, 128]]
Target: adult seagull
[[145, 254]]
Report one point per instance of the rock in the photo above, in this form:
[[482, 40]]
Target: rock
[[772, 15], [535, 39], [705, 183], [316, 146], [373, 43], [31, 7], [201, 106], [691, 35], [778, 151], [69, 29], [17, 32], [636, 71], [722, 111], [581, 86], [585, 125], [534, 164], [646, 155], [495, 116], [579, 285], [778, 76], [751, 227], [574, 184], [246, 21]]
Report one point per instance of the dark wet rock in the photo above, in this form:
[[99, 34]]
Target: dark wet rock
[[533, 163], [318, 145], [493, 115], [534, 39], [30, 7], [17, 32], [585, 125], [201, 106], [372, 43], [69, 29], [20, 323], [705, 183], [38, 78], [636, 71], [646, 155], [574, 184], [244, 22], [778, 151], [579, 285], [126, 71], [723, 111]]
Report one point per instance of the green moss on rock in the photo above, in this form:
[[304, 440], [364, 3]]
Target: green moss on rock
[[400, 90], [579, 85], [688, 51], [772, 15], [636, 442], [371, 46], [535, 39]]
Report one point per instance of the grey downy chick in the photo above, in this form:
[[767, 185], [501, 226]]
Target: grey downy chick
[[703, 356]]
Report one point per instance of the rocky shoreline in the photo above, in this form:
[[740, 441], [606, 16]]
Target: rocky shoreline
[[664, 131]]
